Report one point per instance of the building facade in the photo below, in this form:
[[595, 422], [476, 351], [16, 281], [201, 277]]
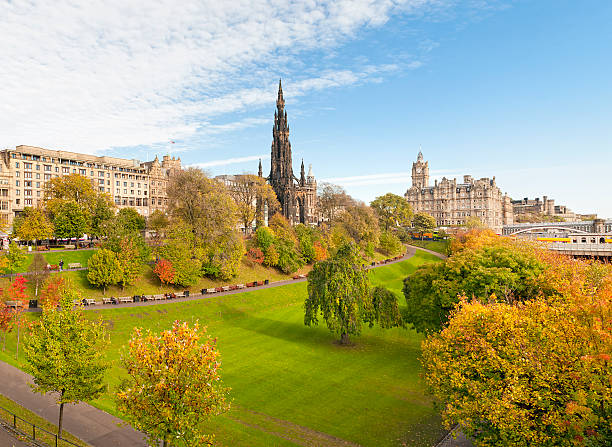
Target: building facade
[[545, 207], [297, 196], [452, 203], [130, 183]]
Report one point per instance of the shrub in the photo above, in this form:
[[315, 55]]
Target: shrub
[[255, 255], [389, 244]]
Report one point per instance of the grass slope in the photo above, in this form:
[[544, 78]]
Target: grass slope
[[437, 246], [294, 385]]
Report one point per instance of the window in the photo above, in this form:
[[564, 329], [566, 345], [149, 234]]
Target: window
[[100, 173], [38, 175], [17, 201], [27, 202], [65, 170], [27, 166], [101, 188], [132, 184], [82, 172], [48, 168], [27, 175], [56, 169], [91, 173], [38, 167], [37, 193], [17, 164], [124, 183], [101, 181], [125, 191], [47, 176], [16, 182], [38, 184], [27, 192], [16, 192], [27, 184], [118, 183]]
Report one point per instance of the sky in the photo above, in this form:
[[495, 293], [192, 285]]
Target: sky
[[520, 90]]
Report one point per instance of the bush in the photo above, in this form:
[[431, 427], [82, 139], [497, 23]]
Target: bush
[[255, 255]]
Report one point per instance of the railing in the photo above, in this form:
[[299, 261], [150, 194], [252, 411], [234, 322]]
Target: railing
[[33, 432]]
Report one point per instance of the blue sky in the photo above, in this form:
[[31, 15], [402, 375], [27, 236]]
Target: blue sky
[[519, 90]]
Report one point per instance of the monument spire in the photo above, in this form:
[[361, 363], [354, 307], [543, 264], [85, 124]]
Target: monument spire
[[260, 172], [302, 175]]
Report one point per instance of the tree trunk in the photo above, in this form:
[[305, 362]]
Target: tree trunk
[[344, 338], [166, 443], [61, 418], [17, 350]]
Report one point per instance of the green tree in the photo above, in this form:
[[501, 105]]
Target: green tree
[[251, 193], [392, 210], [34, 225], [157, 223], [389, 244], [423, 222], [15, 257], [173, 385], [130, 220], [498, 272], [361, 225], [179, 248], [70, 220], [339, 289], [103, 269], [129, 262], [332, 200], [65, 354]]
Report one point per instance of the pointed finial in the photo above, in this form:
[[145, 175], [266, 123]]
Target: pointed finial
[[260, 172], [280, 102]]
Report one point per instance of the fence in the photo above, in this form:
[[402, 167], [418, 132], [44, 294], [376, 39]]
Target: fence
[[33, 432]]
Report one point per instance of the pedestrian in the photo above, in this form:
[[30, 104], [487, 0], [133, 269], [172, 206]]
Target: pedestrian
[[61, 265]]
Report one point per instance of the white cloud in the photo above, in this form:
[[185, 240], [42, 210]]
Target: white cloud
[[88, 76], [229, 161]]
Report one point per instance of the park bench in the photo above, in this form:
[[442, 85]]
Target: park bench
[[225, 289], [13, 304], [125, 299], [106, 300], [211, 290], [74, 265], [159, 297], [76, 302], [89, 301], [240, 286], [233, 287]]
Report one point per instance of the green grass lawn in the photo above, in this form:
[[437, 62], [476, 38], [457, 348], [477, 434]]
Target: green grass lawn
[[291, 382], [81, 256], [437, 246]]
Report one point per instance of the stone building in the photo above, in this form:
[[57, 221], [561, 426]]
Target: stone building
[[452, 203], [297, 196], [130, 183], [544, 207]]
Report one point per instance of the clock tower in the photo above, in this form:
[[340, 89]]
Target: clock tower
[[420, 172]]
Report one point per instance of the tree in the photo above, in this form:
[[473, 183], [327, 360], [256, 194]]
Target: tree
[[206, 208], [129, 262], [332, 200], [339, 289], [17, 292], [164, 271], [536, 373], [423, 222], [474, 222], [52, 290], [34, 225], [392, 211], [130, 220], [7, 317], [173, 385], [103, 269], [103, 213], [389, 244], [65, 354], [38, 272], [251, 194], [179, 250], [15, 257], [504, 271], [361, 225], [158, 223], [70, 221]]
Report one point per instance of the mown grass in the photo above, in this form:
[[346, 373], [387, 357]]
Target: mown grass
[[280, 370], [33, 418], [437, 246]]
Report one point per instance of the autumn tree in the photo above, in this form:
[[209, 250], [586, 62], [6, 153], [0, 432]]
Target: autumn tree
[[17, 293], [252, 194], [339, 289], [38, 272], [179, 249], [389, 244], [65, 354], [361, 224], [392, 211], [536, 373], [129, 262], [103, 269], [164, 271], [206, 208], [332, 200], [52, 290], [173, 385], [33, 225], [7, 317], [423, 222], [157, 223]]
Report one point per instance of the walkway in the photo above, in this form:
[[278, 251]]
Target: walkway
[[93, 426], [8, 439]]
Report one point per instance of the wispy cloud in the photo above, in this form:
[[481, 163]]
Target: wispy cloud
[[230, 161], [386, 178]]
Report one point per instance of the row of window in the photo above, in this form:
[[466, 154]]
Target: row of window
[[70, 162]]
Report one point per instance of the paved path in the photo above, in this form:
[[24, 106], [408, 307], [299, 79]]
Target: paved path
[[7, 439], [93, 426]]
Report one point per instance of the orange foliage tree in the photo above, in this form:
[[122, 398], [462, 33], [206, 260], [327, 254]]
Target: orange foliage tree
[[17, 292], [164, 271], [52, 290], [173, 385]]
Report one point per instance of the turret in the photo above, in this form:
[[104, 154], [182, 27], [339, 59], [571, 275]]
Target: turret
[[302, 174], [260, 172]]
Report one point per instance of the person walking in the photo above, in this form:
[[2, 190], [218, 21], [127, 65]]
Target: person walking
[[61, 265]]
